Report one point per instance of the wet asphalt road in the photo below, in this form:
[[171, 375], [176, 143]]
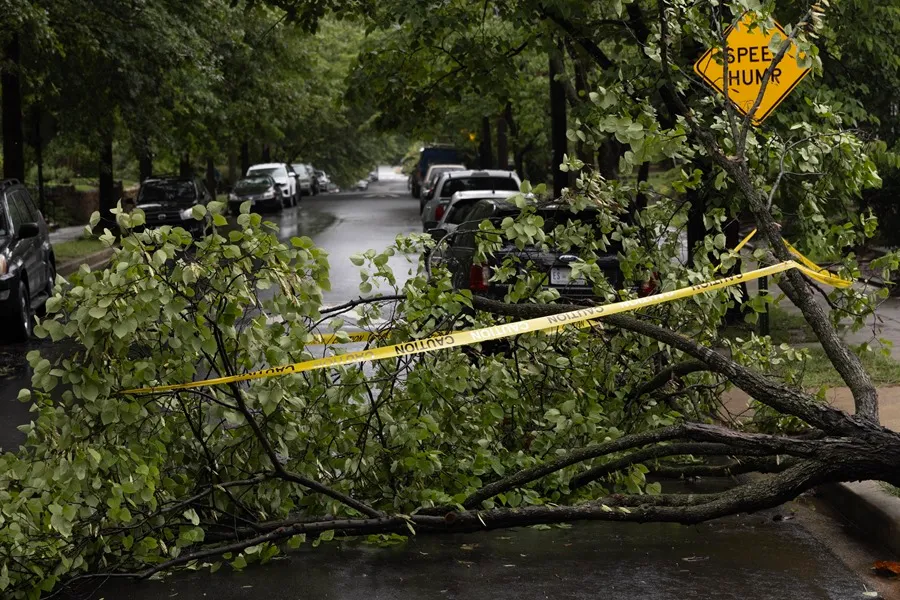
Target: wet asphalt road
[[748, 557]]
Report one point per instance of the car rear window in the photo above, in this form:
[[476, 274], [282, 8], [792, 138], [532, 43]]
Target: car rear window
[[460, 211], [167, 191], [465, 184], [274, 172], [552, 217]]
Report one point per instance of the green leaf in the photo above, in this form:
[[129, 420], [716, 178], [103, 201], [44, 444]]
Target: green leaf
[[198, 212]]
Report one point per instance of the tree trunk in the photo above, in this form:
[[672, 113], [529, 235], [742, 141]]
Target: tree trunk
[[107, 199], [608, 154], [245, 157], [640, 200], [211, 177], [502, 145], [13, 133], [232, 167], [266, 153], [584, 152], [558, 138], [518, 151], [485, 154], [39, 157], [696, 228], [145, 162], [735, 313], [184, 167]]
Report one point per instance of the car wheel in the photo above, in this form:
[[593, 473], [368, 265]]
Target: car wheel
[[23, 322], [48, 289], [51, 282]]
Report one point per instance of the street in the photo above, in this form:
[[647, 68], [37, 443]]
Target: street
[[758, 556], [739, 558]]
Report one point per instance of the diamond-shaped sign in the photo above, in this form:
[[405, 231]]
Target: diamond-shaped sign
[[749, 55]]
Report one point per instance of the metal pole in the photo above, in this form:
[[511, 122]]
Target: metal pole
[[764, 317]]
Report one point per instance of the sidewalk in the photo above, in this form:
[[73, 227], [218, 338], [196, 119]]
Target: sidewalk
[[65, 234], [884, 324]]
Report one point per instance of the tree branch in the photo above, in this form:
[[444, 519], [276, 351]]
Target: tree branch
[[655, 452], [769, 392], [668, 374]]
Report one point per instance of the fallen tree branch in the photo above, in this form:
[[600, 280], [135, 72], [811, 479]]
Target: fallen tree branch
[[668, 374], [655, 452], [769, 392]]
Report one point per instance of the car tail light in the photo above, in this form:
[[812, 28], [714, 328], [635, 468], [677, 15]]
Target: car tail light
[[478, 278], [439, 212], [649, 287]]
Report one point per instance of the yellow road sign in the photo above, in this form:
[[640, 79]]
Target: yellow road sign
[[748, 56]]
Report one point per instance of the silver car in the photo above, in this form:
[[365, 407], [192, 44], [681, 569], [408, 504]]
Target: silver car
[[462, 181]]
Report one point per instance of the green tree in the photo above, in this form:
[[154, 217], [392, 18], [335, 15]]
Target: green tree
[[549, 428]]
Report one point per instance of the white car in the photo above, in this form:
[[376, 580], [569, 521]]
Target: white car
[[431, 176], [451, 182], [278, 172], [460, 204]]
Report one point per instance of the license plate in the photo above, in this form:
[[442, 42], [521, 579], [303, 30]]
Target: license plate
[[563, 276]]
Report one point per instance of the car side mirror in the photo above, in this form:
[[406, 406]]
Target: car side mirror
[[28, 230], [438, 234]]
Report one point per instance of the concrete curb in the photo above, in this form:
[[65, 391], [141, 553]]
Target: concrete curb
[[94, 261], [865, 503]]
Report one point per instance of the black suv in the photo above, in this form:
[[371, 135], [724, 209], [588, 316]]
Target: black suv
[[458, 251], [170, 201], [27, 265]]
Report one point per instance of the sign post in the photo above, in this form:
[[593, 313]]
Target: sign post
[[749, 54]]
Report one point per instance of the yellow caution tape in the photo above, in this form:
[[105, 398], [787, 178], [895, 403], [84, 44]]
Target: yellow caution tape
[[465, 338], [365, 336], [824, 275]]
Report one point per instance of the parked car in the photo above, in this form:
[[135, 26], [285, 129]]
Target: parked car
[[279, 172], [451, 182], [431, 179], [305, 178], [262, 191], [171, 201], [461, 204], [458, 251], [323, 180], [373, 175], [27, 264], [430, 155], [362, 185]]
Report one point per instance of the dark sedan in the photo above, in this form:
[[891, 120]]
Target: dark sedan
[[457, 253], [261, 191], [171, 200], [27, 264]]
